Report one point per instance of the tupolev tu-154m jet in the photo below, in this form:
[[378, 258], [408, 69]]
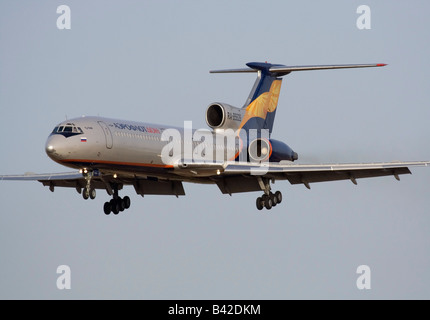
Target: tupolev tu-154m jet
[[238, 154]]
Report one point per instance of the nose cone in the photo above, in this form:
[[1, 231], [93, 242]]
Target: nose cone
[[53, 147]]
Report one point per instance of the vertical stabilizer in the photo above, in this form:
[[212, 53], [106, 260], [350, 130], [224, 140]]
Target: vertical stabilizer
[[263, 99]]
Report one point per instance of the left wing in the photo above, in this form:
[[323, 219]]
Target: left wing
[[243, 176]]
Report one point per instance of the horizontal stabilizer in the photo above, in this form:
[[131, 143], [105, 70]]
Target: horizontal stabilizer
[[283, 70], [234, 70], [324, 67]]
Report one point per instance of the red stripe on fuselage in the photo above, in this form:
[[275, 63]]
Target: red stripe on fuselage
[[116, 162]]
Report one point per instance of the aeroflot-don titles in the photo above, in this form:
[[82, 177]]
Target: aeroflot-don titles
[[123, 126]]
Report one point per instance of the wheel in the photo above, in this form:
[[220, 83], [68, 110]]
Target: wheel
[[114, 206], [121, 204], [86, 194], [93, 194], [278, 195], [274, 199], [107, 208], [127, 202], [268, 203], [259, 203]]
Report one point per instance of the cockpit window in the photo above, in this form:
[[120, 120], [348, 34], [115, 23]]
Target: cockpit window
[[67, 130]]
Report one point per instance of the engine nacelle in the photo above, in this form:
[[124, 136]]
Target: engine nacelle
[[272, 150], [224, 116]]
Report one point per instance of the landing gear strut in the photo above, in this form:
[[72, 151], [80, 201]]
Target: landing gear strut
[[268, 199], [88, 191], [116, 204]]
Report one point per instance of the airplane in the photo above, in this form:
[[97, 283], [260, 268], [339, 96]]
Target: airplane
[[156, 159]]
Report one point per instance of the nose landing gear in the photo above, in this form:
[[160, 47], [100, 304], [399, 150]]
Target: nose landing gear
[[88, 191]]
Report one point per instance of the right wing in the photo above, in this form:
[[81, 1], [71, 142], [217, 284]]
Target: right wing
[[65, 176]]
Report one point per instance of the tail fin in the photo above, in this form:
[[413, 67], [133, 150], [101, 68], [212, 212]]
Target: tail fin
[[263, 99]]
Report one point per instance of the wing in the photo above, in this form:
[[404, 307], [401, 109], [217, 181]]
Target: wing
[[76, 180], [55, 177], [231, 177], [243, 177]]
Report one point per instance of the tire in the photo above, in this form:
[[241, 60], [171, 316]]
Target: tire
[[127, 202], [107, 208], [93, 194], [274, 200], [85, 194], [259, 203], [278, 195], [268, 203], [114, 206], [121, 204]]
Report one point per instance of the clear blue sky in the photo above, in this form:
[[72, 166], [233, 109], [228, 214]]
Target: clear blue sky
[[149, 61]]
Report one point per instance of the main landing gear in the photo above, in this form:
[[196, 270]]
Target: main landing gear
[[116, 205], [268, 199]]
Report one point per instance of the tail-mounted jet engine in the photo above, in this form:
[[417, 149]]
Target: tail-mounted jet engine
[[272, 150], [224, 116]]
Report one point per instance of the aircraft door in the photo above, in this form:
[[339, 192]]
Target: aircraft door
[[107, 133]]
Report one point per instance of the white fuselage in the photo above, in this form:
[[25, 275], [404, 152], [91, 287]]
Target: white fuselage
[[124, 146]]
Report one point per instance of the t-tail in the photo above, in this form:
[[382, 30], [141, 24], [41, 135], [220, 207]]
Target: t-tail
[[260, 108]]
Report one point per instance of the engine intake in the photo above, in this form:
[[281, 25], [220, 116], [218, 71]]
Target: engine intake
[[224, 116]]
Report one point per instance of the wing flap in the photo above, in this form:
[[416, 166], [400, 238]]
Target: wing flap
[[168, 187], [236, 184], [321, 176]]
